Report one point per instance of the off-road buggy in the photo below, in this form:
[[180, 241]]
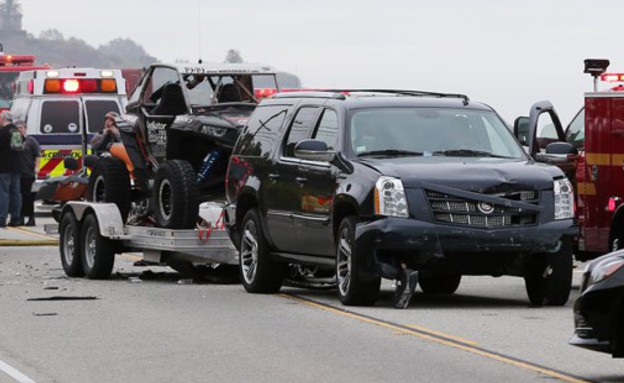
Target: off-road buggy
[[181, 124]]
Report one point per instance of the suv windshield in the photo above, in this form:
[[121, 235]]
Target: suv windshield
[[6, 88], [431, 131]]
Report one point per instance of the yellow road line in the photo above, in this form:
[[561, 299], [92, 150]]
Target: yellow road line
[[438, 333], [30, 232], [28, 242], [443, 340]]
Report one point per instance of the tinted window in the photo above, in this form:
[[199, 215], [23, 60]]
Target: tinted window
[[60, 117], [327, 130], [263, 131], [576, 132], [96, 110], [300, 129]]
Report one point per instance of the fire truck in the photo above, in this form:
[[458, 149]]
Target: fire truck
[[10, 68], [597, 133]]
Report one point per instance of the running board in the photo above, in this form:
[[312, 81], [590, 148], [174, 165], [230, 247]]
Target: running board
[[310, 260]]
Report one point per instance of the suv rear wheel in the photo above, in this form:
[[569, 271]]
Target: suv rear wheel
[[353, 289], [617, 241], [260, 273], [551, 285]]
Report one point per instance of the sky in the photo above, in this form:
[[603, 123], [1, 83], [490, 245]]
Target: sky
[[505, 53]]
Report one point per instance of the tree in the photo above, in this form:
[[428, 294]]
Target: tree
[[233, 56], [51, 34], [11, 16]]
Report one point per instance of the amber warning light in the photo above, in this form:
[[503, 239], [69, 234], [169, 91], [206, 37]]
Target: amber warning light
[[72, 85]]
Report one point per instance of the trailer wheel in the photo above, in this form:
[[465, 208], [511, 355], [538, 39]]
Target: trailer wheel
[[176, 196], [110, 182], [433, 283], [259, 273], [353, 290], [69, 245], [551, 284], [98, 252]]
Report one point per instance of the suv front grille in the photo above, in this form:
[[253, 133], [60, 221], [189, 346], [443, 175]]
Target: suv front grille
[[450, 209]]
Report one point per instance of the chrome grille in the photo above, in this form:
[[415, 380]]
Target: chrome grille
[[461, 211]]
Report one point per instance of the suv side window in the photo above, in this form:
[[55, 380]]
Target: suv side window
[[327, 130], [263, 131], [576, 131], [300, 129]]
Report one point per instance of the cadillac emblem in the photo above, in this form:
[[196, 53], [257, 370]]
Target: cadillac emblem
[[485, 207]]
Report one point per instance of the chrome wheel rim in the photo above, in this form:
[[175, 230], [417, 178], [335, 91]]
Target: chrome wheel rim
[[90, 247], [249, 252], [69, 244], [343, 262], [616, 244], [164, 195], [99, 193]]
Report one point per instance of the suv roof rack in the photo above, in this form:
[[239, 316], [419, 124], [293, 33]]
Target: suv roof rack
[[340, 93]]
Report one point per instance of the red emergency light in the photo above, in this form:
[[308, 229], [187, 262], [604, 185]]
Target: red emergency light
[[264, 92], [72, 85], [16, 60], [614, 202], [612, 77]]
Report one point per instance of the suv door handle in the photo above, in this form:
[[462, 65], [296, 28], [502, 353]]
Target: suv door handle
[[301, 180], [274, 176]]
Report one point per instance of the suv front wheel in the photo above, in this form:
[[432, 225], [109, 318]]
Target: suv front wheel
[[260, 273], [353, 289]]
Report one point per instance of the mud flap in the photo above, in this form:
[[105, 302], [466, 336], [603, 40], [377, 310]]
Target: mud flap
[[405, 287]]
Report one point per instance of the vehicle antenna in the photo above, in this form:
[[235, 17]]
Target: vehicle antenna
[[199, 61]]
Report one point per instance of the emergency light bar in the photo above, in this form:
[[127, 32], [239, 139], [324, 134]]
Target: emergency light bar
[[13, 60], [612, 77], [72, 85]]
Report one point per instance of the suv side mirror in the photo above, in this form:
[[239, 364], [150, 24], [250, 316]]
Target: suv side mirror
[[314, 150], [561, 148], [521, 130], [71, 163]]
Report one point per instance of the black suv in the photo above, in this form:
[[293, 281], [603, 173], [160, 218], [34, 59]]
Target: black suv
[[374, 184]]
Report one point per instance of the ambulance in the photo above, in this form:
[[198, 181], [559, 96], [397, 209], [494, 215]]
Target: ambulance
[[64, 107]]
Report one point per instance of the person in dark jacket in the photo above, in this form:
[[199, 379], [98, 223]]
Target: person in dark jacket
[[102, 141], [29, 163], [10, 197]]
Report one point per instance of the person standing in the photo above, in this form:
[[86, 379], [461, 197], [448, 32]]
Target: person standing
[[10, 197], [29, 163]]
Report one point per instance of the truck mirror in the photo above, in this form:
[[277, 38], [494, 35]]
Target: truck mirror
[[521, 130], [561, 148]]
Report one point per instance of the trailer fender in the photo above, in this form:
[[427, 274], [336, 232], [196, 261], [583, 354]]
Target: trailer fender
[[107, 214]]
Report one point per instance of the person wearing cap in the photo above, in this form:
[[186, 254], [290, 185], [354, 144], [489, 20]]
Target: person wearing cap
[[10, 197], [29, 163], [102, 141]]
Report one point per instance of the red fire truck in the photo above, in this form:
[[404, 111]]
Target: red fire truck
[[10, 67]]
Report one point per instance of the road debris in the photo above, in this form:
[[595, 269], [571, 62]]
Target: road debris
[[63, 298]]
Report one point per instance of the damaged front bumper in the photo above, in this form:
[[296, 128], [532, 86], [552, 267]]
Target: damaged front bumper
[[386, 243]]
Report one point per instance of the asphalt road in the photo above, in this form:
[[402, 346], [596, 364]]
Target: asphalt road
[[160, 330]]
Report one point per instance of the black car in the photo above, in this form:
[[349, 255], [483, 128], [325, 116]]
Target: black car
[[599, 311], [395, 184]]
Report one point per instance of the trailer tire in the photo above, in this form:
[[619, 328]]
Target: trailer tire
[[434, 283], [98, 252], [552, 284], [176, 195], [69, 245], [110, 182]]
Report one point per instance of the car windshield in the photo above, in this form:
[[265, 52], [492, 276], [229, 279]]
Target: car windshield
[[6, 88], [431, 132], [229, 88]]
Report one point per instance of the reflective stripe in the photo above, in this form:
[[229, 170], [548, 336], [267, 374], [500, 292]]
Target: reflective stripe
[[604, 159], [51, 162], [586, 188]]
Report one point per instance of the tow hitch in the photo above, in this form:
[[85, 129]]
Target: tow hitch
[[405, 287]]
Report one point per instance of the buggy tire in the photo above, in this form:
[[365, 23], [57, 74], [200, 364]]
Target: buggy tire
[[259, 272], [176, 195], [434, 283], [353, 289], [551, 285], [110, 182], [98, 252], [69, 245]]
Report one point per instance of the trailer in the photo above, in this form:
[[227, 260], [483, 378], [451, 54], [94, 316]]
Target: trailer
[[92, 233]]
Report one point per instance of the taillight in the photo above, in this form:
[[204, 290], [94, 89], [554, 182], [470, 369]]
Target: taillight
[[71, 86], [613, 203], [264, 92], [31, 87], [108, 86], [612, 77], [52, 86], [88, 86]]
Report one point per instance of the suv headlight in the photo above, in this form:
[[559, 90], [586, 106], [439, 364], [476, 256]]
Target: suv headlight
[[564, 199], [214, 130], [390, 197], [604, 270]]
